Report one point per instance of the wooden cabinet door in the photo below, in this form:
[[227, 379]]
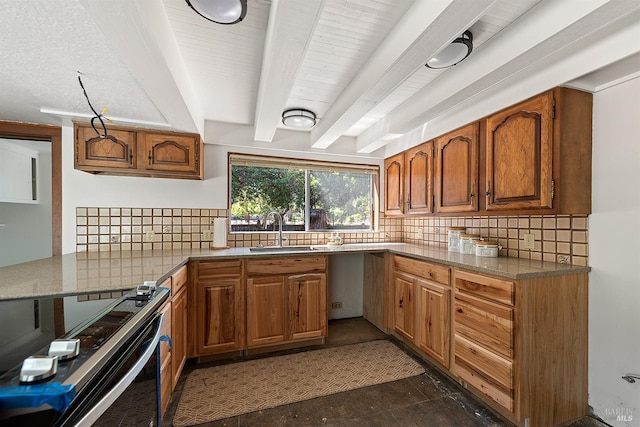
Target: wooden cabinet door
[[116, 151], [220, 315], [266, 310], [173, 153], [419, 179], [456, 170], [432, 314], [393, 184], [179, 333], [404, 305], [519, 156], [307, 306], [166, 377]]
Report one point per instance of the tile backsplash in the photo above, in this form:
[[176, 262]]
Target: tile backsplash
[[558, 238], [115, 229]]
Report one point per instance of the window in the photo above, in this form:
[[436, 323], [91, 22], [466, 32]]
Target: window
[[309, 195]]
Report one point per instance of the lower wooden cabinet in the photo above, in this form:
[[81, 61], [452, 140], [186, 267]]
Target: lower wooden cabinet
[[218, 320], [266, 310], [432, 312], [404, 311], [307, 305], [522, 344], [239, 305], [421, 306], [286, 300], [179, 334], [166, 373]]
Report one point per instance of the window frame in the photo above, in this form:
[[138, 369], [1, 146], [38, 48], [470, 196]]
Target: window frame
[[257, 160]]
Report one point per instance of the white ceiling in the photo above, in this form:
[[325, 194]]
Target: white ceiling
[[358, 64]]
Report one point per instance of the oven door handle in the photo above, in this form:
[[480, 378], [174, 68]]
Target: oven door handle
[[92, 416]]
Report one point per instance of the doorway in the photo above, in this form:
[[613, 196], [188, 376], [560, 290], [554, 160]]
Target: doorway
[[53, 135]]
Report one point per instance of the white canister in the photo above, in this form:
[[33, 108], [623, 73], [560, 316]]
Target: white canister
[[487, 248], [467, 243], [453, 238]]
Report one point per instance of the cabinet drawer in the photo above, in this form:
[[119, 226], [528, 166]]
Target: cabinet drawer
[[178, 280], [275, 266], [426, 270], [218, 268], [484, 370], [486, 287], [486, 323]]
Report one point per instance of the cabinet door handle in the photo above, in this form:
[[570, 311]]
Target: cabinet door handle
[[130, 156], [473, 190], [150, 157], [488, 188], [401, 301]]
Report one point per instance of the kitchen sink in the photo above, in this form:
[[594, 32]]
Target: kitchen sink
[[282, 249]]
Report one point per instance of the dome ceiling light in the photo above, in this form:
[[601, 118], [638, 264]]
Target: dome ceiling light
[[220, 11], [458, 50], [299, 118]]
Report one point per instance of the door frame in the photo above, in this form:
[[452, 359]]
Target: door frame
[[52, 134]]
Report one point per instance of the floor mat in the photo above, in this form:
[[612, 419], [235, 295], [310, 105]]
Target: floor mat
[[225, 391]]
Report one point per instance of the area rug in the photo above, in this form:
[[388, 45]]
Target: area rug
[[211, 394]]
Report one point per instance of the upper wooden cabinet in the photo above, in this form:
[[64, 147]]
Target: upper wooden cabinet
[[457, 170], [408, 181], [130, 151], [394, 185], [538, 154], [533, 157], [116, 151], [519, 154], [418, 179]]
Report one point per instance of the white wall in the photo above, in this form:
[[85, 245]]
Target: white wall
[[27, 232], [346, 276], [614, 255]]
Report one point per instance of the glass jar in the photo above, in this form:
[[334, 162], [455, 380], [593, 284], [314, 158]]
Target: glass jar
[[467, 243], [487, 248], [335, 239], [453, 238]]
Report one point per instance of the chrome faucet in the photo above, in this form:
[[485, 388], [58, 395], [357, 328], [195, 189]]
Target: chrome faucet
[[277, 216]]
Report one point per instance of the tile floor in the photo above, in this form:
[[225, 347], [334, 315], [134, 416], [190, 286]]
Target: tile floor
[[431, 399]]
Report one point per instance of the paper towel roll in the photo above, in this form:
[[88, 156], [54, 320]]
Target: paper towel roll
[[219, 233]]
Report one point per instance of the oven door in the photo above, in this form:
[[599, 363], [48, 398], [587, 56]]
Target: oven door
[[126, 393]]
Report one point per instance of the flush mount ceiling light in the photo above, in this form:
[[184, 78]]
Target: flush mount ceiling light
[[220, 11], [458, 50], [299, 118]]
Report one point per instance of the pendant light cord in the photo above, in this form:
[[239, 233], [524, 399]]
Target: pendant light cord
[[97, 116]]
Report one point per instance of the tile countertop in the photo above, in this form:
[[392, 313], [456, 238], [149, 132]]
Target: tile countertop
[[94, 272]]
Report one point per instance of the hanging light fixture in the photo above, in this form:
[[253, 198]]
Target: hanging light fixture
[[299, 118], [458, 50], [220, 11]]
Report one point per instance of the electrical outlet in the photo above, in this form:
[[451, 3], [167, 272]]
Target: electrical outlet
[[528, 241], [420, 233], [149, 236], [207, 235], [335, 305], [115, 239]]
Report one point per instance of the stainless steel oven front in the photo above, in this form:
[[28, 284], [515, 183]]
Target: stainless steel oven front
[[113, 380]]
